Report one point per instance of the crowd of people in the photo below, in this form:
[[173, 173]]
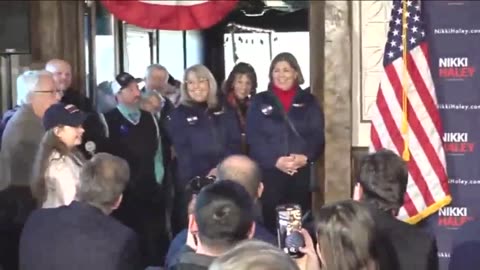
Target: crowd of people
[[186, 175]]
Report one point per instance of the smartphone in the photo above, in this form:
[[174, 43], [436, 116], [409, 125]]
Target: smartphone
[[289, 222]]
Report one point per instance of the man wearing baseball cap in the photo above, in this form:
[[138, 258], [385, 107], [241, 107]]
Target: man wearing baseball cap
[[134, 135]]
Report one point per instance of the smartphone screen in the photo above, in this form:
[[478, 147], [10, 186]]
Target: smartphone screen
[[289, 220]]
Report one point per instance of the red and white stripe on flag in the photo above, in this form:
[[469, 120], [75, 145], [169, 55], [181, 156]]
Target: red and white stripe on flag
[[427, 189], [171, 15]]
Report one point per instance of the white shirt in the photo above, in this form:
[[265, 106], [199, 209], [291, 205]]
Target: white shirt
[[62, 177]]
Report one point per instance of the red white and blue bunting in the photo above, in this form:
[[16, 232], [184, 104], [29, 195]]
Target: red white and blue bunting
[[171, 15]]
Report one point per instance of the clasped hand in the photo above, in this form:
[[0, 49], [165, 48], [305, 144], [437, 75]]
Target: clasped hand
[[290, 164]]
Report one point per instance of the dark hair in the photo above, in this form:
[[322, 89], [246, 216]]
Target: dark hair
[[102, 180], [346, 236], [50, 143], [224, 214], [240, 69], [384, 178], [243, 170], [291, 60]]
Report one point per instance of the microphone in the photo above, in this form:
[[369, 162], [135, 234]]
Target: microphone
[[90, 147]]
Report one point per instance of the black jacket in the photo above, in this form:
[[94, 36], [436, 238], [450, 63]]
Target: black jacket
[[77, 237], [411, 247]]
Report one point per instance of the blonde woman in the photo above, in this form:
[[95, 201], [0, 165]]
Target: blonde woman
[[203, 131], [57, 164]]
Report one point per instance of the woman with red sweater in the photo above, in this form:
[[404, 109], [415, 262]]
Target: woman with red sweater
[[285, 136]]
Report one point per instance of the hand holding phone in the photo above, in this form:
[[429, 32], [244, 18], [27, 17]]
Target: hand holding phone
[[310, 261], [289, 224]]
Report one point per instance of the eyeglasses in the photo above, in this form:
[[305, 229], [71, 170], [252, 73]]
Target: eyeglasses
[[53, 92], [196, 184]]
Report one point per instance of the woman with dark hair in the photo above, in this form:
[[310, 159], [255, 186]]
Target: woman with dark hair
[[346, 237], [57, 165], [240, 85], [285, 136]]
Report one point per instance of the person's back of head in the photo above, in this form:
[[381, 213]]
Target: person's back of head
[[254, 255], [346, 236], [243, 170], [383, 180], [223, 215], [102, 181]]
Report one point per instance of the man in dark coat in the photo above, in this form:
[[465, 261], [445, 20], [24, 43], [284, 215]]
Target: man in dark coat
[[134, 134], [382, 185]]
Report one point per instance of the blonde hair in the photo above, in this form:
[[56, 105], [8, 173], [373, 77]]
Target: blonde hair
[[254, 254], [200, 71]]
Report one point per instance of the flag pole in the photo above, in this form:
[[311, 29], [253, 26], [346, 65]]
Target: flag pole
[[406, 153]]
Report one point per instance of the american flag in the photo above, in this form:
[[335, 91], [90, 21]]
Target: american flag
[[409, 79]]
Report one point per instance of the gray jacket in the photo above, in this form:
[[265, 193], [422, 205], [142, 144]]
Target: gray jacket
[[20, 142]]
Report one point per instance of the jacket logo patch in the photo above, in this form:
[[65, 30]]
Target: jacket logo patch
[[266, 109], [192, 120], [298, 105]]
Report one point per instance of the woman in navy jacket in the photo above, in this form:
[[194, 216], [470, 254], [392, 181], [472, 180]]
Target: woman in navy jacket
[[285, 135], [203, 131], [240, 85]]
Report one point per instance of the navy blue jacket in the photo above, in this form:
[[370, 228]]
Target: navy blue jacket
[[202, 138], [77, 237], [270, 136]]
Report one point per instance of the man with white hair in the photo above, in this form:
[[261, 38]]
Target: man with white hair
[[157, 79], [24, 131], [37, 92], [156, 82], [21, 94]]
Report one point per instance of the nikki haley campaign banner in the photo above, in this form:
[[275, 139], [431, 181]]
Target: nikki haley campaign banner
[[453, 31]]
